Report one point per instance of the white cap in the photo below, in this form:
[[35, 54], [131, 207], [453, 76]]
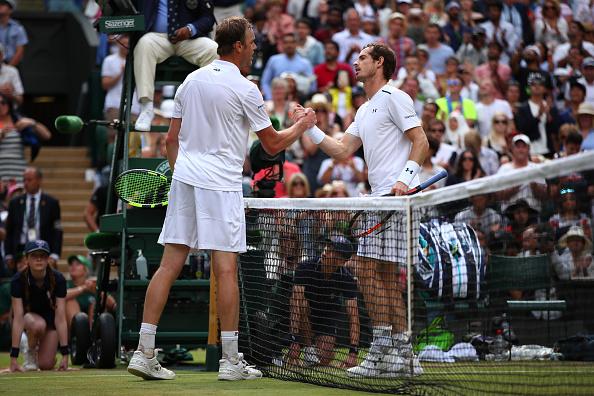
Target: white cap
[[521, 138]]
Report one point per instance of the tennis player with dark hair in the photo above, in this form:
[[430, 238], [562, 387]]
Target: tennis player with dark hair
[[316, 302], [39, 308], [395, 145], [215, 108]]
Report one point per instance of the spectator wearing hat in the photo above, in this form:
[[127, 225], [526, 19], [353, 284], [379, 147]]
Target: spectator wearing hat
[[438, 52], [316, 303], [494, 70], [585, 122], [532, 192], [10, 80], [473, 50], [497, 29], [455, 29], [326, 72], [538, 118], [32, 216], [588, 78], [112, 75], [352, 39], [532, 57], [575, 34], [174, 27], [403, 7], [13, 35], [574, 261], [39, 308], [398, 41], [307, 45], [569, 213], [455, 102], [80, 294]]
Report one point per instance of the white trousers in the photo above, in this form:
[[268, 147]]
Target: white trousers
[[154, 48]]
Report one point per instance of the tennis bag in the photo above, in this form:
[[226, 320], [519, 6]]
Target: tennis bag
[[451, 264]]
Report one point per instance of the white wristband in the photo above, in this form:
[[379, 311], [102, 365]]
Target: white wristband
[[409, 172], [315, 134]]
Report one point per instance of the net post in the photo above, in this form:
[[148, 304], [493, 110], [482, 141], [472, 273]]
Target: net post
[[213, 349], [409, 265]]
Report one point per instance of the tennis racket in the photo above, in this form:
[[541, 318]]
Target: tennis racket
[[143, 188], [363, 223]]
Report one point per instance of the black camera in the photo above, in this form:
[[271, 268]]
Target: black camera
[[272, 166]]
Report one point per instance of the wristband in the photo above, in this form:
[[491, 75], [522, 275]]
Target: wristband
[[14, 352], [315, 134], [409, 172], [65, 350], [354, 349]]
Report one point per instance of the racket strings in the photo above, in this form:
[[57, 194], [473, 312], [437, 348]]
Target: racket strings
[[143, 189]]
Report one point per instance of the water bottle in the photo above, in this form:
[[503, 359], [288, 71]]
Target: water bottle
[[499, 347], [141, 266]]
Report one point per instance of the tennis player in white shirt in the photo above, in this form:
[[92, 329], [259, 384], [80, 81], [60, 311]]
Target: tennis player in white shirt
[[395, 146], [215, 108]]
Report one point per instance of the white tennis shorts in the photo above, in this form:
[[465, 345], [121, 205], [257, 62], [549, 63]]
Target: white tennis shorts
[[390, 244], [204, 219]]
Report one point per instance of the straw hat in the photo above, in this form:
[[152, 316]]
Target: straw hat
[[576, 231], [586, 108]]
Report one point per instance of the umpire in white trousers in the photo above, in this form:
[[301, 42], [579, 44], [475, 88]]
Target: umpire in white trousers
[[173, 27]]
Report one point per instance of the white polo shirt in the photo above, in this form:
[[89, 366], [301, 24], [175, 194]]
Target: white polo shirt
[[380, 124], [218, 107]]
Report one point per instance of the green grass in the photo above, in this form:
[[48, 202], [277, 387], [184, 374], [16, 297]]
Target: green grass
[[502, 378]]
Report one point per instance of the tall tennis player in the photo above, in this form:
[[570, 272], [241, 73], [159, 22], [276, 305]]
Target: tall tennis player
[[215, 108], [395, 145]]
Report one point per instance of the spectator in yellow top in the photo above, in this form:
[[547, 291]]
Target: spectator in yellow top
[[454, 101]]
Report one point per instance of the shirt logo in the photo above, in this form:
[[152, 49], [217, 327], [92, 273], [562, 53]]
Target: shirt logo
[[410, 116], [216, 69], [374, 111], [260, 107]]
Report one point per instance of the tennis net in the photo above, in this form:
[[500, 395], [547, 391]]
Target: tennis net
[[484, 286]]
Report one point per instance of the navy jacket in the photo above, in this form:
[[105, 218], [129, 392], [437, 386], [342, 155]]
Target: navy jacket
[[50, 228], [196, 12]]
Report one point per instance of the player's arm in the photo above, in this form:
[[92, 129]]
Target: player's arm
[[418, 152], [172, 141], [275, 141], [337, 149]]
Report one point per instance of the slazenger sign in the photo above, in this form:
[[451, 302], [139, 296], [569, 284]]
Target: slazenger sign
[[119, 24]]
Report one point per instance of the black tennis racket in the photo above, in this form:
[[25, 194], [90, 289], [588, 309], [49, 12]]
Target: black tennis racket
[[143, 188], [364, 223]]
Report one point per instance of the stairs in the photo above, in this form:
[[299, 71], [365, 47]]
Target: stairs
[[64, 178]]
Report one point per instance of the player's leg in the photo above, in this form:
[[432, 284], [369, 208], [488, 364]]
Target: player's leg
[[178, 234], [221, 229], [48, 346]]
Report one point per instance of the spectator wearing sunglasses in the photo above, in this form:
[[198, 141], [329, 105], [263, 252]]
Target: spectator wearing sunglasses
[[455, 101], [496, 137]]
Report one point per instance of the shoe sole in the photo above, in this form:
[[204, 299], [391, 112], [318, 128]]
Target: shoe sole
[[139, 372], [223, 377]]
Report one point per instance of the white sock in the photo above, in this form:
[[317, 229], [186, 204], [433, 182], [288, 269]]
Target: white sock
[[230, 341], [24, 344], [401, 338], [146, 104], [146, 343], [382, 335]]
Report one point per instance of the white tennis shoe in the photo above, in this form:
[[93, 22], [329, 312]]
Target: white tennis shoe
[[371, 366], [310, 356], [237, 371], [149, 369]]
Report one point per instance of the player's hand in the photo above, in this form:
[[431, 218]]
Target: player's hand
[[309, 118], [399, 189], [180, 34], [63, 363], [350, 361], [297, 113], [15, 367]]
